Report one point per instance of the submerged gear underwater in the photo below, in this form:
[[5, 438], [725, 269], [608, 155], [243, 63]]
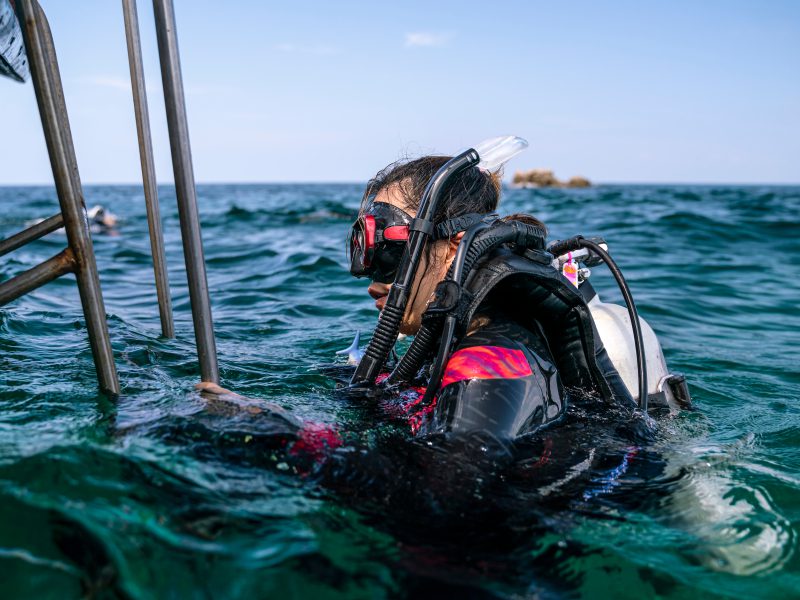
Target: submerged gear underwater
[[506, 331]]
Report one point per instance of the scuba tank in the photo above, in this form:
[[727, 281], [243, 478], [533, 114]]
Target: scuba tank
[[614, 327]]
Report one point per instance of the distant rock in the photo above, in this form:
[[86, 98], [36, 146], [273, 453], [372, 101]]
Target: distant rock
[[542, 178], [578, 182], [546, 178]]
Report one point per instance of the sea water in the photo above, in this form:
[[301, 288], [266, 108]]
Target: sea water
[[151, 495]]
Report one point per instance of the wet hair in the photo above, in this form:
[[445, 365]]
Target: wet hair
[[472, 191]]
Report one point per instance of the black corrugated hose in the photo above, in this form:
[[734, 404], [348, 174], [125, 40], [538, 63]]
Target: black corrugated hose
[[477, 242], [420, 230]]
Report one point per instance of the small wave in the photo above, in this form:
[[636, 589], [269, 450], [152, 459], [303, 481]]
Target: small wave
[[286, 216], [736, 525]]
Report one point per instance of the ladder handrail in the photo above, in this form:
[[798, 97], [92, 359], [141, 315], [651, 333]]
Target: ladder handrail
[[148, 168], [79, 257], [55, 124]]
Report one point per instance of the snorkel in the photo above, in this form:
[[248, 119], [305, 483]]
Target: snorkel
[[489, 155]]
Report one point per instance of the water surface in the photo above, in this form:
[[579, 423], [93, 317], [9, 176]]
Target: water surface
[[155, 497]]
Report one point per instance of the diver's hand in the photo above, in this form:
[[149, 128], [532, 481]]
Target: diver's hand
[[222, 401], [214, 388]]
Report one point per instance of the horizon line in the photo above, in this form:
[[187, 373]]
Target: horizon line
[[354, 182]]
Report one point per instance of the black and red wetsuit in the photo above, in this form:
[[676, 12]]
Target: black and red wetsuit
[[501, 380], [530, 335]]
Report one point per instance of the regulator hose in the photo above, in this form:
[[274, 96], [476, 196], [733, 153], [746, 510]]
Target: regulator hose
[[477, 242], [420, 230], [423, 342], [564, 246], [413, 358]]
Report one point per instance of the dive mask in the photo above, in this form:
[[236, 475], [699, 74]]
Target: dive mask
[[377, 241]]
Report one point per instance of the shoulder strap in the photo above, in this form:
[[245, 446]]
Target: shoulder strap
[[535, 291]]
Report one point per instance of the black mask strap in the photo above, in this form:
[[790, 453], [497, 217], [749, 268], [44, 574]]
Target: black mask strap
[[449, 228]]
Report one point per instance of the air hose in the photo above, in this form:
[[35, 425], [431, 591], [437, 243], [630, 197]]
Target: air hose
[[420, 230], [478, 241], [419, 349], [564, 246]]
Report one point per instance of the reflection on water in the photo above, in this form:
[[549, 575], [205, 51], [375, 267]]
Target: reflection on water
[[738, 527]]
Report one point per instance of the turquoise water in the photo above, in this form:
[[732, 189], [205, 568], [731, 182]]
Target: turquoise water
[[158, 495]]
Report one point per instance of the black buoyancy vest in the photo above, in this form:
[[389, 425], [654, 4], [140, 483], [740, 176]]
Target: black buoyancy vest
[[537, 295]]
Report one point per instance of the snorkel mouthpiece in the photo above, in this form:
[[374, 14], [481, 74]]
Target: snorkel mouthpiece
[[489, 154]]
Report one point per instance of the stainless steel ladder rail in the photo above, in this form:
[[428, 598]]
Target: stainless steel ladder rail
[[148, 168], [78, 258], [185, 191]]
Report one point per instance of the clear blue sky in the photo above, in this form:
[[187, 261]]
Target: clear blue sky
[[670, 91]]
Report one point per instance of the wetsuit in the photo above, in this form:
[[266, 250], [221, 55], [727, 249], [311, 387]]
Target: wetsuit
[[530, 335], [501, 379]]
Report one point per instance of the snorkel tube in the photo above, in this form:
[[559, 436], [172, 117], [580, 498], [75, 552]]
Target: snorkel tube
[[489, 155]]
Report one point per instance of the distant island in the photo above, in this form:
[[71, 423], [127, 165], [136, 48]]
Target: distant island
[[546, 178]]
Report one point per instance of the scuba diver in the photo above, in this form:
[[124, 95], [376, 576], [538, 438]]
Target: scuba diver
[[500, 330], [522, 391], [507, 356], [502, 323], [101, 220]]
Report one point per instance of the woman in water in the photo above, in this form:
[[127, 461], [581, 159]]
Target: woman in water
[[480, 451], [524, 335]]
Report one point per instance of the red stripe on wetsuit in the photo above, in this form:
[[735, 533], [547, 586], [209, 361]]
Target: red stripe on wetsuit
[[486, 362], [477, 362]]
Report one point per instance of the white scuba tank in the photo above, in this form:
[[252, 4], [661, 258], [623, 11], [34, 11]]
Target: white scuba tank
[[613, 325]]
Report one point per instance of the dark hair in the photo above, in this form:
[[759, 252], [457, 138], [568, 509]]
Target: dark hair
[[473, 191]]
